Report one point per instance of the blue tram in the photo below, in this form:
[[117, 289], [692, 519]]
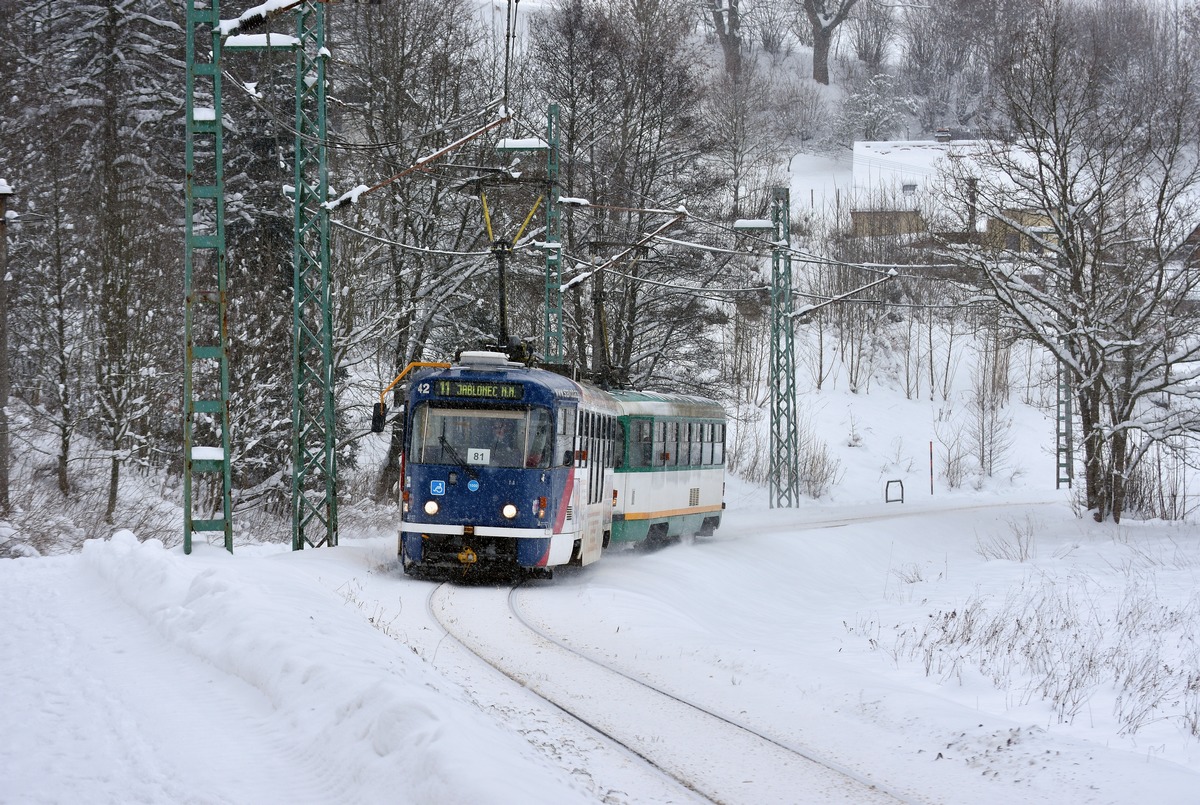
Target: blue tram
[[508, 469]]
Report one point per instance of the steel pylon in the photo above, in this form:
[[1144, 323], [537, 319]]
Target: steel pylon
[[785, 453], [552, 338], [314, 459], [206, 344]]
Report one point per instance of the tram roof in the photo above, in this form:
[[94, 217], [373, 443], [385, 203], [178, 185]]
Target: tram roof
[[652, 403]]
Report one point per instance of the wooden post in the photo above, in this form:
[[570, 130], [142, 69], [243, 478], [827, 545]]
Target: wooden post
[[931, 467]]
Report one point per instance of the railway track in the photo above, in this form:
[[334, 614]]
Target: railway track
[[716, 758]]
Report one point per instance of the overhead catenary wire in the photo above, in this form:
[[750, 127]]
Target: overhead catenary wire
[[713, 293], [273, 8], [716, 294], [424, 163], [407, 246], [797, 254], [284, 123], [763, 242], [585, 206]]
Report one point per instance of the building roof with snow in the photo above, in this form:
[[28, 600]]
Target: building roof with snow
[[896, 168]]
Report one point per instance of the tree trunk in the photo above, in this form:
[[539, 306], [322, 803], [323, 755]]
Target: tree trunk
[[4, 378], [727, 22], [390, 475], [1093, 453], [114, 476], [1119, 448], [822, 40], [112, 262], [64, 450]]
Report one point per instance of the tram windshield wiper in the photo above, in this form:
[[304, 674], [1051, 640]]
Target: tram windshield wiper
[[449, 448]]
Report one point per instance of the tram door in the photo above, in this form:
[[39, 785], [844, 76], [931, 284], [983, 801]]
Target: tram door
[[590, 443]]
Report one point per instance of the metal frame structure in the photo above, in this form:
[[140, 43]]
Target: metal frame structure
[[785, 448], [206, 345], [314, 460], [314, 418], [552, 337]]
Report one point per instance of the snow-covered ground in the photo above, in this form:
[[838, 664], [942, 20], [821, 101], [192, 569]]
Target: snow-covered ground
[[893, 640]]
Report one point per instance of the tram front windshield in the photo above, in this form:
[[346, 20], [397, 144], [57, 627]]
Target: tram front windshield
[[491, 438]]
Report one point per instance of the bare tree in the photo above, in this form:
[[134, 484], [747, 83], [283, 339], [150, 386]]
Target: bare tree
[[630, 86], [417, 77], [769, 23], [727, 22], [824, 16], [947, 51], [747, 127], [1089, 195], [872, 29]]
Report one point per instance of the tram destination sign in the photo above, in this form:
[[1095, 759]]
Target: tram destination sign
[[478, 390]]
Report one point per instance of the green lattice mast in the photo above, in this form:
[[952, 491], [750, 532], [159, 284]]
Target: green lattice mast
[[784, 468], [314, 460], [552, 348], [206, 345]]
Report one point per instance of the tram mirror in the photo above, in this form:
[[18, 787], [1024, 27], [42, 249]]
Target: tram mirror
[[378, 417]]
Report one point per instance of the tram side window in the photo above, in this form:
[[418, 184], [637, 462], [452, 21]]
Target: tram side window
[[610, 442], [590, 444], [697, 444], [538, 452], [719, 443], [581, 439], [641, 443], [565, 451], [601, 441], [617, 440]]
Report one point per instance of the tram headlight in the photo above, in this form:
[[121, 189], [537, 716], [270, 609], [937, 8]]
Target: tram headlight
[[431, 507], [509, 511]]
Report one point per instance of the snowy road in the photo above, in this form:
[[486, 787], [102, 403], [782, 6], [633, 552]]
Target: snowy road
[[109, 711], [709, 754], [135, 673]]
